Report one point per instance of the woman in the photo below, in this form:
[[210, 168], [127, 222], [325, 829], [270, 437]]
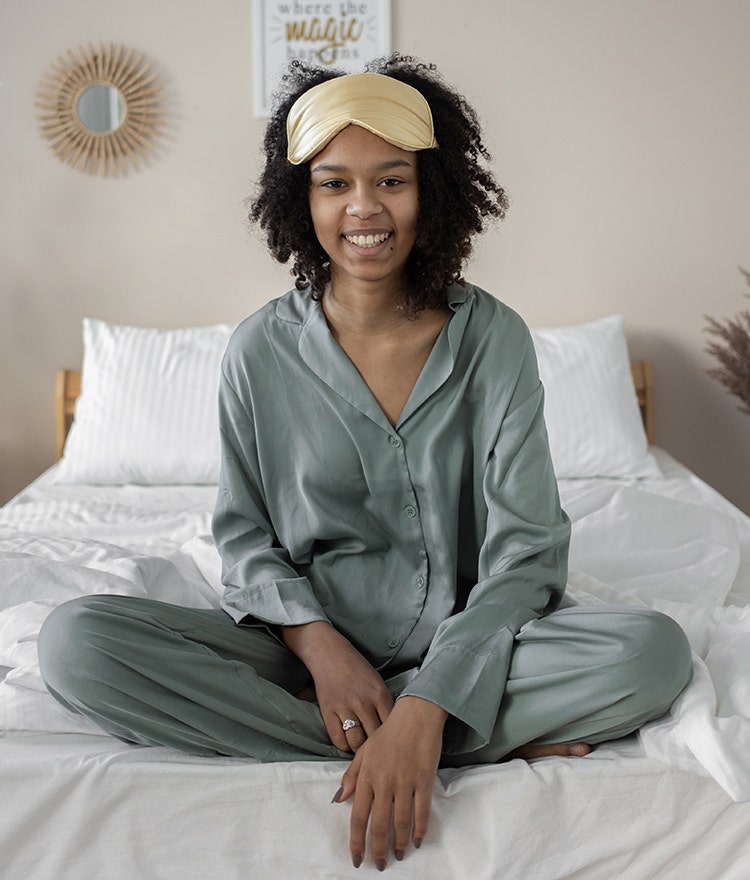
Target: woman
[[394, 551]]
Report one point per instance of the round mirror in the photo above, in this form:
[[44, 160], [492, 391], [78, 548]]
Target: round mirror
[[101, 108]]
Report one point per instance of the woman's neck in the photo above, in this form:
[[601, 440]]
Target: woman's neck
[[365, 309]]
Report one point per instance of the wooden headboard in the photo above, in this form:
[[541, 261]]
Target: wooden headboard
[[68, 388], [643, 379]]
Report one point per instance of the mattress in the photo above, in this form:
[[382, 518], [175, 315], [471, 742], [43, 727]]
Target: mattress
[[672, 801]]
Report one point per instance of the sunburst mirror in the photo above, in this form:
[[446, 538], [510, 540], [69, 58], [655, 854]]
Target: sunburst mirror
[[101, 108]]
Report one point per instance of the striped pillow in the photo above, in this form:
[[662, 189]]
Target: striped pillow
[[148, 406], [590, 406]]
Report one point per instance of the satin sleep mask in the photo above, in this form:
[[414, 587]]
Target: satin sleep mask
[[383, 105]]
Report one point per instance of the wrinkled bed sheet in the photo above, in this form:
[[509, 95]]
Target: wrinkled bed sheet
[[672, 544]]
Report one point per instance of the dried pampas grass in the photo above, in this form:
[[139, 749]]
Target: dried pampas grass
[[732, 351]]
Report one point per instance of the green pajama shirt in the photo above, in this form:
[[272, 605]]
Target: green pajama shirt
[[438, 547]]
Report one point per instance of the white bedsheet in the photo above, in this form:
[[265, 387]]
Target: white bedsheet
[[104, 811], [677, 546], [671, 544]]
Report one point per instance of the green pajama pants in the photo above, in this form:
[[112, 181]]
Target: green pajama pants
[[157, 674]]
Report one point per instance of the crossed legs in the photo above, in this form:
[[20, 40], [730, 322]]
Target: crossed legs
[[157, 674]]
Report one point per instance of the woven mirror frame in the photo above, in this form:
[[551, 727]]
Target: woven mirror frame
[[110, 83]]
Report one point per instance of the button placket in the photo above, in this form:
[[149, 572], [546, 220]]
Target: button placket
[[409, 510], [411, 531]]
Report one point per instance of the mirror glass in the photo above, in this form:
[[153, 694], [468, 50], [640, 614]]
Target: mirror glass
[[101, 108]]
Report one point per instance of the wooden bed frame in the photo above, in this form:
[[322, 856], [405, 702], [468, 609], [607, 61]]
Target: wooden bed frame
[[67, 392], [643, 379], [68, 389]]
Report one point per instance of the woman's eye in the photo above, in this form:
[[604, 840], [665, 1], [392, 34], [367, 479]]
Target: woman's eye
[[332, 184], [391, 181]]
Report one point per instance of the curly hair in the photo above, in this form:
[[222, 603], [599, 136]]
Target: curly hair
[[457, 193]]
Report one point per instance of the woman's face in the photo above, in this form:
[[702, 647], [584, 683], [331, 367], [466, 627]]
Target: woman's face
[[364, 201]]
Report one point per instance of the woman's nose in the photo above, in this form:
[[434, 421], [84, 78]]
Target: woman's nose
[[364, 202]]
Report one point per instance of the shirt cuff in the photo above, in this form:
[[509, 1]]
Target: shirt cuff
[[469, 686], [284, 602]]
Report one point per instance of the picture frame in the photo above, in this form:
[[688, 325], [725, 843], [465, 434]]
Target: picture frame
[[342, 34]]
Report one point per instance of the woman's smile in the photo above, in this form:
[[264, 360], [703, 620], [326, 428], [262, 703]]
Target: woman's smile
[[367, 240]]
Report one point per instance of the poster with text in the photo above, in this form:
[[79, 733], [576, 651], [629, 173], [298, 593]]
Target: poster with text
[[344, 35]]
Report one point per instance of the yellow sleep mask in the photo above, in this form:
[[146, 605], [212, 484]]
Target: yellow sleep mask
[[383, 105]]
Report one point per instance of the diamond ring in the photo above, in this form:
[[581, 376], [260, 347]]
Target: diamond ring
[[349, 723]]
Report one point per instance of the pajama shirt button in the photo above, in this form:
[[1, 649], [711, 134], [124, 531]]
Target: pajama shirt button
[[393, 642], [420, 581], [410, 511], [395, 442]]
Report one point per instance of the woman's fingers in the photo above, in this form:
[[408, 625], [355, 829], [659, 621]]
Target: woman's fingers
[[370, 718], [404, 817], [348, 783], [383, 812], [391, 777], [343, 734], [402, 825], [356, 737], [377, 811], [422, 805], [335, 729], [348, 730], [358, 826]]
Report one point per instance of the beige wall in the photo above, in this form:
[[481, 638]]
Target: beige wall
[[620, 127]]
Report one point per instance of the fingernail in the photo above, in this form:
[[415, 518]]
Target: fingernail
[[337, 797], [417, 842], [356, 859], [380, 864], [399, 854]]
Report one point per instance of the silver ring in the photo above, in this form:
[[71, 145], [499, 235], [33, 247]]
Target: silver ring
[[349, 723]]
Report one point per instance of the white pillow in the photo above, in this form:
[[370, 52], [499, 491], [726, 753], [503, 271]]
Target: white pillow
[[591, 409], [148, 406]]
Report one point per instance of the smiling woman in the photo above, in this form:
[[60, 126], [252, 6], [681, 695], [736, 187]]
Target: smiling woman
[[392, 541]]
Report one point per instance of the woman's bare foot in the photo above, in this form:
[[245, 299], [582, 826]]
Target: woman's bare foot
[[567, 750]]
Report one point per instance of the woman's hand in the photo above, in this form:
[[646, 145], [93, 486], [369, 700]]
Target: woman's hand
[[346, 685], [392, 777]]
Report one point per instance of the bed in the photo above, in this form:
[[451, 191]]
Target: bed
[[127, 509]]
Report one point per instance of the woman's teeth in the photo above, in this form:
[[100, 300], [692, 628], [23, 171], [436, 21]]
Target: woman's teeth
[[368, 240]]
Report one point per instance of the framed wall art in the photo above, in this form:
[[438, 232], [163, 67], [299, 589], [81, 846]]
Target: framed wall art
[[344, 34]]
